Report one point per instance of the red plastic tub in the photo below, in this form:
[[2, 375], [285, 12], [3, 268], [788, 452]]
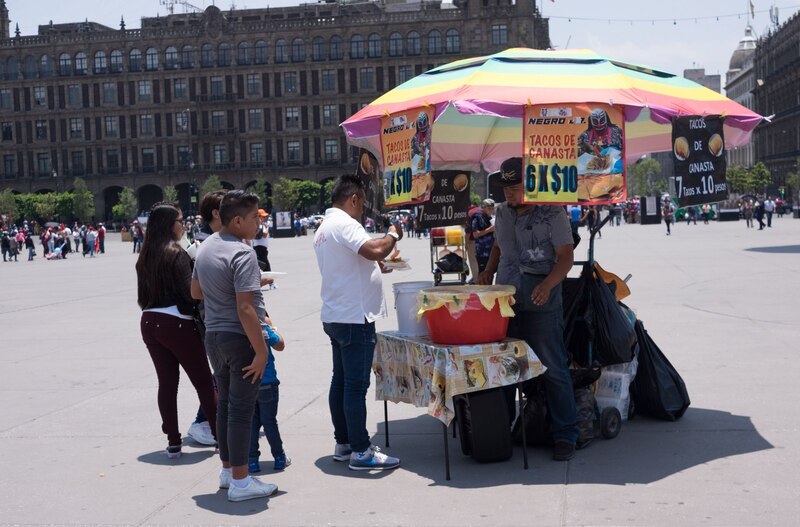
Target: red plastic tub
[[473, 324]]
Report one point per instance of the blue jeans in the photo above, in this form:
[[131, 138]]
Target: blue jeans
[[266, 415], [236, 399], [544, 332], [353, 348]]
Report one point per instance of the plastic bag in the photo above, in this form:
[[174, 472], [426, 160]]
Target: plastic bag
[[614, 336], [657, 390], [450, 263]]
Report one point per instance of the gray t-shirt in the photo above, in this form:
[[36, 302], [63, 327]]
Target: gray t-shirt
[[226, 266], [527, 241]]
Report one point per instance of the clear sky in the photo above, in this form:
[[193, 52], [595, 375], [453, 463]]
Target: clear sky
[[671, 35]]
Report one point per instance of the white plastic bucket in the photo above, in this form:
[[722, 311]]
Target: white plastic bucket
[[405, 302]]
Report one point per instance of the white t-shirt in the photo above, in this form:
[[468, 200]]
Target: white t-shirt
[[769, 205], [351, 284]]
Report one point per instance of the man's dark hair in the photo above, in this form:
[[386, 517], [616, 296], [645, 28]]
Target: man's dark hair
[[346, 186], [236, 203], [210, 203]]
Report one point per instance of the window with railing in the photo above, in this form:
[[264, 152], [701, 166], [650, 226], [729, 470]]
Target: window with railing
[[293, 153], [75, 128], [243, 57], [330, 115], [395, 45], [77, 164], [337, 48], [220, 154], [145, 90], [116, 61], [5, 98], [74, 95], [10, 165], [151, 59], [404, 73], [109, 92], [181, 122], [43, 166], [41, 129], [179, 88], [187, 57], [292, 114], [148, 160], [218, 120], [357, 47], [256, 155], [290, 82], [206, 56], [331, 149], [224, 55], [80, 63], [366, 78], [434, 42], [328, 80], [40, 96], [255, 119], [298, 50], [281, 52], [171, 58], [100, 62], [110, 126], [146, 124], [318, 50], [112, 161], [8, 131], [217, 88], [65, 64], [413, 45], [375, 46], [452, 41], [253, 84], [135, 60], [261, 52]]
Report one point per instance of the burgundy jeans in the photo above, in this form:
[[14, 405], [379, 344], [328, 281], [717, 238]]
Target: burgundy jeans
[[174, 342]]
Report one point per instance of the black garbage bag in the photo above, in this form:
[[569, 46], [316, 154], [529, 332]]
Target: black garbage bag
[[577, 333], [537, 422], [614, 336], [450, 263], [657, 390]]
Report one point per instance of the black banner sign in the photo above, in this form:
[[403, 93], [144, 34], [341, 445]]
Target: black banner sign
[[698, 149], [449, 201], [369, 171]]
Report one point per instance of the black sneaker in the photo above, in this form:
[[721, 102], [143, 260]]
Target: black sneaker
[[563, 451]]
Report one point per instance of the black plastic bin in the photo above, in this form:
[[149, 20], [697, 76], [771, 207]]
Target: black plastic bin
[[483, 425]]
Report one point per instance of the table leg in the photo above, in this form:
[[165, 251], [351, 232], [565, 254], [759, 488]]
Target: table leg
[[446, 453], [386, 421], [522, 404]]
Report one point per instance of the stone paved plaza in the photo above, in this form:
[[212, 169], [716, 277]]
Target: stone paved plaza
[[81, 440]]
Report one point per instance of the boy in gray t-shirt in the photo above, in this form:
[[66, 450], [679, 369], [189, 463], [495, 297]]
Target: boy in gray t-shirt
[[227, 278]]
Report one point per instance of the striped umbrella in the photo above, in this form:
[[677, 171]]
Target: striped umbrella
[[479, 102]]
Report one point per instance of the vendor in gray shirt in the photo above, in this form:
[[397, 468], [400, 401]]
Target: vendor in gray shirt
[[533, 252]]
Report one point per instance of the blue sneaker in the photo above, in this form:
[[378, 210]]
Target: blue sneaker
[[372, 459], [254, 466], [282, 461]]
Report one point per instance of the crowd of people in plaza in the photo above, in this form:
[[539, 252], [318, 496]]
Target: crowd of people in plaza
[[57, 240]]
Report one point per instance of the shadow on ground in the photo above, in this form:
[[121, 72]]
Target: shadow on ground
[[187, 458], [777, 249], [645, 451], [218, 502]]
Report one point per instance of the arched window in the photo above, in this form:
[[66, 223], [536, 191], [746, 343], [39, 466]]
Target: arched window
[[187, 57], [395, 45], [298, 50], [374, 46], [206, 56], [337, 47], [29, 71], [116, 61], [65, 64], [434, 42], [243, 57], [357, 47], [224, 55], [100, 62], [151, 59], [135, 60], [413, 43], [318, 48], [281, 52], [46, 66], [12, 68], [2, 70], [261, 52], [452, 41], [80, 63], [171, 58]]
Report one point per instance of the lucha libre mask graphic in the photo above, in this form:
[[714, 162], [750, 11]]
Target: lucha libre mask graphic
[[599, 120], [422, 122]]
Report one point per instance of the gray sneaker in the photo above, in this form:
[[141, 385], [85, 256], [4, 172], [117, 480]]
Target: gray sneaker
[[342, 452], [254, 489], [372, 459]]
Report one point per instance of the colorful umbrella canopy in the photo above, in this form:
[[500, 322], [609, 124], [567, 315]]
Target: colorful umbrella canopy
[[479, 103]]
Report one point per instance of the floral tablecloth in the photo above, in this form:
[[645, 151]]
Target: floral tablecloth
[[415, 370]]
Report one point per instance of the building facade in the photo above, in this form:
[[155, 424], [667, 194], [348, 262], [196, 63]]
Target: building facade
[[739, 83], [776, 91], [241, 93]]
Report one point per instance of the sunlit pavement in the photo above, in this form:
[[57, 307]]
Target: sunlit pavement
[[82, 444]]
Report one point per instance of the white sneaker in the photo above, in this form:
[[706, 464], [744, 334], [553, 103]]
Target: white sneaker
[[255, 489], [372, 459], [225, 477], [201, 433]]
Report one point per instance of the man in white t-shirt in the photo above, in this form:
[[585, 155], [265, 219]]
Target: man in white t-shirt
[[769, 208], [352, 300]]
